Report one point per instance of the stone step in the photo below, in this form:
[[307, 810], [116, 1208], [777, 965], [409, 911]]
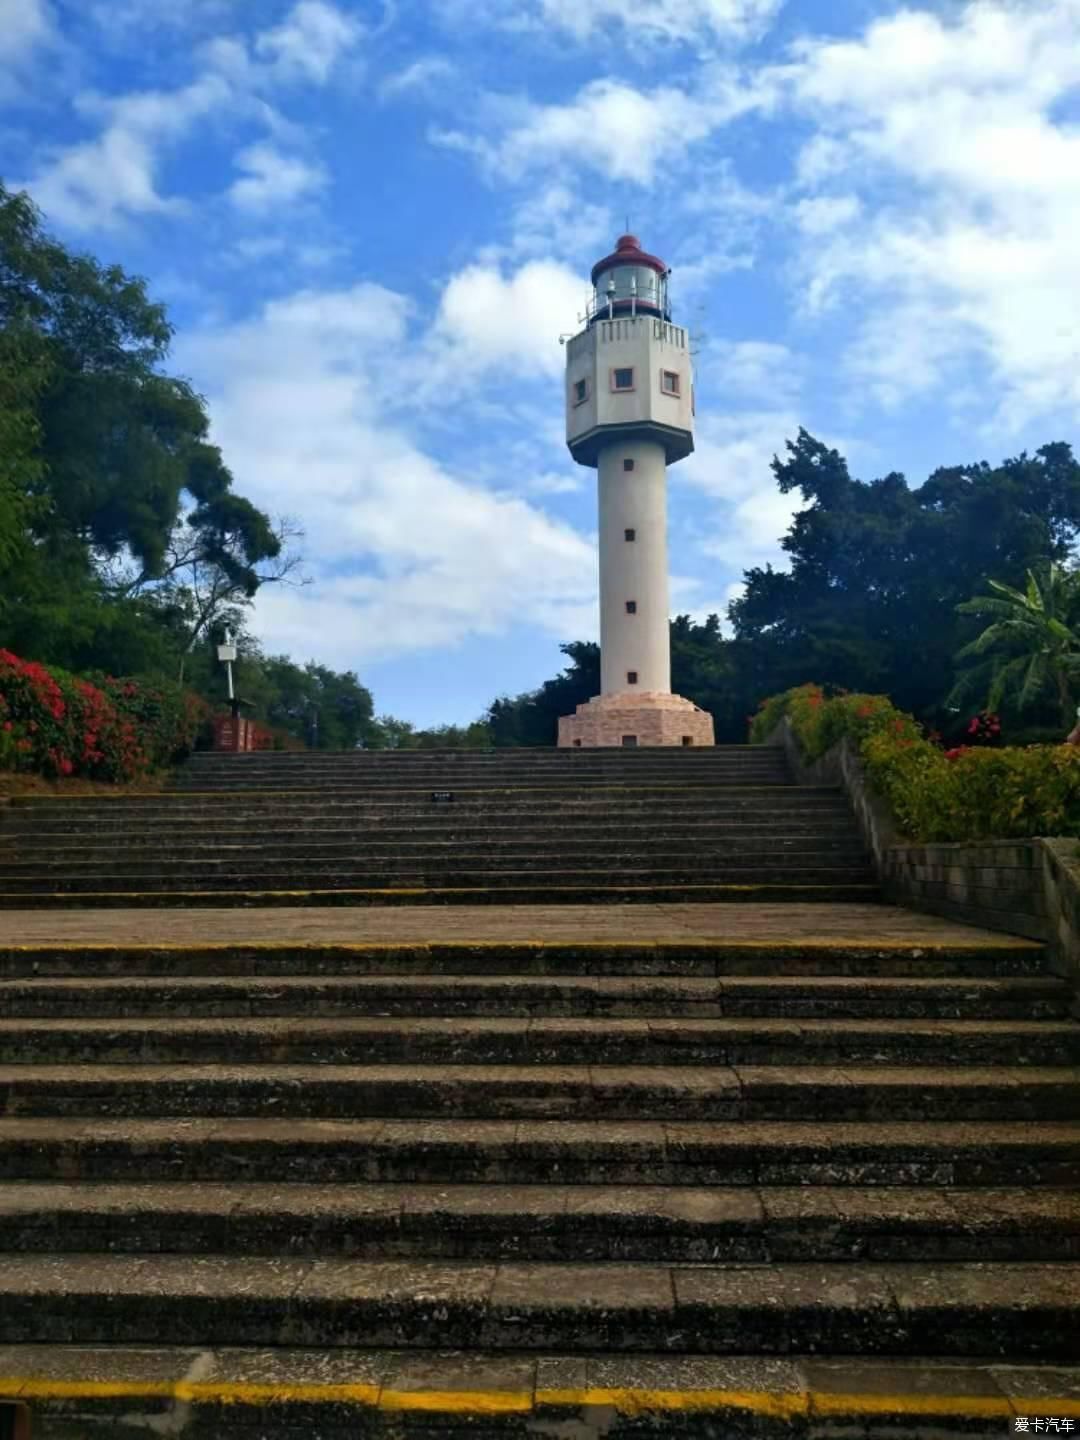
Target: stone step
[[468, 1040], [27, 835], [378, 852], [1010, 1309], [651, 892], [544, 1222], [644, 757], [800, 997], [719, 778], [600, 805], [281, 1150], [369, 763], [702, 762], [144, 1392], [718, 772], [753, 961], [452, 870], [327, 1090]]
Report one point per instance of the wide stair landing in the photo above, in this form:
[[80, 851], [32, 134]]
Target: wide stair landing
[[406, 828]]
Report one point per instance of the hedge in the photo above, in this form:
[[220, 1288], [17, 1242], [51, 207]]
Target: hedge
[[56, 724], [970, 793]]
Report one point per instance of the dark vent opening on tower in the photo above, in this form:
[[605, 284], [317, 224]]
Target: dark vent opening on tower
[[628, 464], [631, 677], [630, 534], [631, 607]]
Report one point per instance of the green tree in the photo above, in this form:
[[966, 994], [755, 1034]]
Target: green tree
[[1031, 646], [877, 570], [102, 452]]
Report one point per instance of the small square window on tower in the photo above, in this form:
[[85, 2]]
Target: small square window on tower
[[631, 677], [631, 607], [669, 382], [628, 464], [581, 391], [630, 534], [622, 378]]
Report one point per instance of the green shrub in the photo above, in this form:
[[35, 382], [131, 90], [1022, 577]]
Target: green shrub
[[972, 793]]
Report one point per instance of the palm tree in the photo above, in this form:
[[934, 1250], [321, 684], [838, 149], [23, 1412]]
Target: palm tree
[[1030, 644]]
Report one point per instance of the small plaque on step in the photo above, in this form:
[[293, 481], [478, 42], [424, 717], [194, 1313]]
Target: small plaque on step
[[442, 797]]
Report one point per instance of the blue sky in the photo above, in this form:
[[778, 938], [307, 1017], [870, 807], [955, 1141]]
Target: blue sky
[[371, 222]]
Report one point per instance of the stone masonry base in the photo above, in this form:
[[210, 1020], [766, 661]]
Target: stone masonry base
[[636, 718]]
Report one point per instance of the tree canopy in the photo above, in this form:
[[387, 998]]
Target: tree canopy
[[872, 597], [111, 495]]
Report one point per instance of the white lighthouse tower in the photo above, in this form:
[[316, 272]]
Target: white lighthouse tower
[[630, 414]]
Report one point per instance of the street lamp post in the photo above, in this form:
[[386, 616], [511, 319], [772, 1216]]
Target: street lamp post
[[227, 655]]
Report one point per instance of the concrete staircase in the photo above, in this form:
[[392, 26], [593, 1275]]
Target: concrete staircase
[[502, 827], [791, 1186]]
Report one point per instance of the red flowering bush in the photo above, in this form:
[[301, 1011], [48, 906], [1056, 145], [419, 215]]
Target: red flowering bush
[[168, 718], [56, 724], [971, 792], [984, 729]]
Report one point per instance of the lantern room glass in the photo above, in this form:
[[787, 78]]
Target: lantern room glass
[[617, 285]]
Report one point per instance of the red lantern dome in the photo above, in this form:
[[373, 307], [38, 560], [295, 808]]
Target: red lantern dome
[[629, 282], [628, 251]]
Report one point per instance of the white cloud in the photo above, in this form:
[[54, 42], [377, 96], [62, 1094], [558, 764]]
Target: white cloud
[[308, 44], [273, 178], [624, 133], [25, 25], [424, 77], [554, 220], [662, 19], [487, 319], [98, 182], [749, 370], [633, 21], [407, 553], [28, 32], [944, 186], [822, 214], [731, 465], [101, 181]]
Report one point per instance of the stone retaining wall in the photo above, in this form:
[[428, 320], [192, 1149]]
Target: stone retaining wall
[[1023, 887]]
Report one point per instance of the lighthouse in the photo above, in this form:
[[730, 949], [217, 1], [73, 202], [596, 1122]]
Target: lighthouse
[[629, 415]]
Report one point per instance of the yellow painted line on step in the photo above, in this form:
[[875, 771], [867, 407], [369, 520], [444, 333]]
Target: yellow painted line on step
[[986, 1407], [642, 1402], [473, 1402], [629, 1401]]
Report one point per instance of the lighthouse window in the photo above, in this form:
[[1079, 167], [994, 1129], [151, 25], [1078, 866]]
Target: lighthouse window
[[630, 534], [581, 391], [631, 607], [628, 464], [669, 382], [631, 677], [623, 379]]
